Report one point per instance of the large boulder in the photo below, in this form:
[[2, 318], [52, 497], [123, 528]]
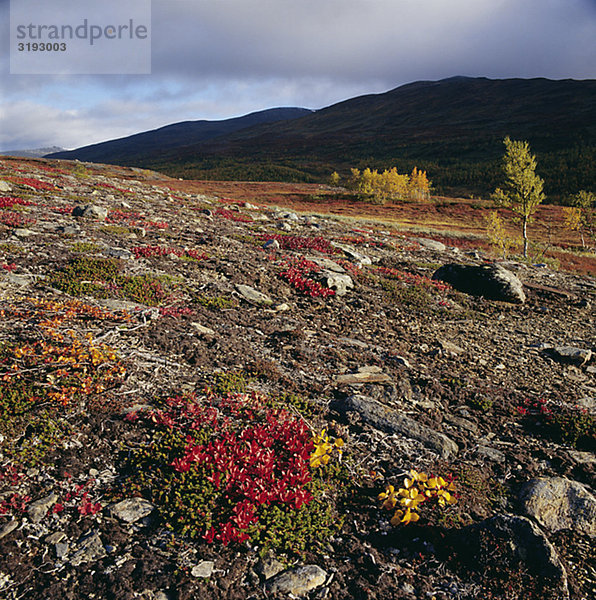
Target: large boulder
[[491, 281], [509, 541], [558, 503]]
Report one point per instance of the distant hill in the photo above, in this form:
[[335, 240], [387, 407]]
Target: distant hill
[[33, 153], [454, 128], [151, 145]]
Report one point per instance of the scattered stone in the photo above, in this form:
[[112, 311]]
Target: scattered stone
[[353, 255], [119, 253], [61, 549], [339, 282], [89, 548], [326, 263], [490, 281], [204, 569], [271, 245], [450, 347], [90, 211], [8, 528], [431, 244], [203, 330], [268, 567], [5, 186], [298, 581], [491, 454], [23, 233], [38, 510], [253, 296], [570, 355], [55, 538], [390, 420], [526, 541], [364, 375], [68, 229], [131, 510], [558, 503], [352, 342]]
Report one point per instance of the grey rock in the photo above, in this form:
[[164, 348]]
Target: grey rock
[[8, 528], [450, 347], [558, 503], [490, 281], [68, 229], [390, 420], [89, 548], [5, 186], [339, 282], [268, 567], [90, 211], [526, 541], [20, 280], [55, 538], [23, 233], [271, 245], [298, 581], [371, 374], [492, 454], [431, 244], [253, 296], [119, 253], [570, 355], [204, 569], [202, 330], [352, 342], [285, 226], [37, 510], [353, 255], [326, 263], [131, 510], [61, 549]]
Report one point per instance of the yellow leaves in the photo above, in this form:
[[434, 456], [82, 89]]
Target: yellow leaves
[[418, 489], [323, 448], [62, 365], [391, 184], [404, 517]]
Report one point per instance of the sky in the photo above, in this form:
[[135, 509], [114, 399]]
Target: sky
[[216, 59]]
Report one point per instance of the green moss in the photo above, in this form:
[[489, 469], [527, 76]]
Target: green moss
[[102, 278], [85, 247], [216, 303], [118, 230]]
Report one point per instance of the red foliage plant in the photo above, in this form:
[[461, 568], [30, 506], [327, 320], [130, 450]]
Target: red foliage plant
[[242, 455]]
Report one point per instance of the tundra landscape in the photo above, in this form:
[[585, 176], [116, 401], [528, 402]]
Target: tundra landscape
[[232, 390]]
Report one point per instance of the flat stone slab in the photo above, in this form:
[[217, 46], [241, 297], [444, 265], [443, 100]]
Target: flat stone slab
[[298, 581], [131, 510], [253, 296], [390, 420]]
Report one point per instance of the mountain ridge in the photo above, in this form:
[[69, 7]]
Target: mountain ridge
[[453, 128]]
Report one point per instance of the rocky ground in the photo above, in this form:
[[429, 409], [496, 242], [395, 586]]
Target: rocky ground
[[119, 295]]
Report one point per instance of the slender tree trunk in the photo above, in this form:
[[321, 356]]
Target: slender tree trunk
[[525, 233]]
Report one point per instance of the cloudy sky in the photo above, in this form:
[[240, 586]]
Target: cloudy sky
[[214, 59]]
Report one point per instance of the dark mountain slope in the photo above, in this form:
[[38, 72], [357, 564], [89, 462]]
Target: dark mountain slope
[[150, 144]]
